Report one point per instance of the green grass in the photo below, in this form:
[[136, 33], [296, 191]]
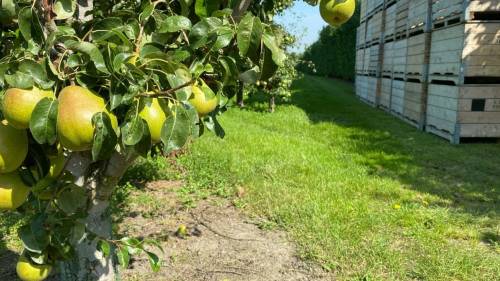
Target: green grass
[[361, 192], [366, 195]]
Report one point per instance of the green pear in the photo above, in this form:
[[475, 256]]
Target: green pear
[[154, 115], [77, 106], [337, 12], [18, 105], [13, 147]]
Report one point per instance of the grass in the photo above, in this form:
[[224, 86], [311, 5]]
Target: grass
[[362, 193], [366, 195]]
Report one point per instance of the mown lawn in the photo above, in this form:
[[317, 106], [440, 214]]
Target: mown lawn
[[366, 195], [361, 192]]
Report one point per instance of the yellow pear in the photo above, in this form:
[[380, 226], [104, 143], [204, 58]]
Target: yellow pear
[[28, 271], [77, 106], [154, 115], [337, 12], [13, 147], [199, 100], [13, 192], [18, 105]]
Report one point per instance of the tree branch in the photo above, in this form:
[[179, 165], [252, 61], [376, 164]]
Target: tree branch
[[239, 10], [168, 92]]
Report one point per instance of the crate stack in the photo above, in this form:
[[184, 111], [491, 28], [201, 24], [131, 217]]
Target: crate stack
[[370, 51], [464, 71], [433, 63]]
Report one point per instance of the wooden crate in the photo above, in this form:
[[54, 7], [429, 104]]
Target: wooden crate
[[385, 93], [463, 52], [366, 61], [390, 22], [415, 102], [361, 86], [468, 111], [418, 13], [360, 59], [372, 89], [361, 35], [418, 56], [397, 96], [442, 9], [399, 51], [374, 64], [388, 61], [402, 15], [374, 28], [363, 8], [449, 12]]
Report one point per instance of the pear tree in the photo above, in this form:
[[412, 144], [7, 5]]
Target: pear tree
[[87, 87]]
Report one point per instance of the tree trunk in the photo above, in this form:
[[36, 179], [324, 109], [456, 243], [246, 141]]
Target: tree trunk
[[272, 104], [239, 96], [88, 263]]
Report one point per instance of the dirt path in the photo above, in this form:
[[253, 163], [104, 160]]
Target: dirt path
[[223, 245]]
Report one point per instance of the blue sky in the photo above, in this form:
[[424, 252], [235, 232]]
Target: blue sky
[[303, 21]]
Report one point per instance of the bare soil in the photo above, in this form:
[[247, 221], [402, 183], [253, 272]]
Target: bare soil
[[220, 243]]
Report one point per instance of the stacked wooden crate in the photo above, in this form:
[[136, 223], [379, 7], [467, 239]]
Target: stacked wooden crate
[[362, 53], [464, 70]]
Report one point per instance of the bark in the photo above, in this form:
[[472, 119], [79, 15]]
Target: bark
[[240, 9], [89, 263], [272, 104]]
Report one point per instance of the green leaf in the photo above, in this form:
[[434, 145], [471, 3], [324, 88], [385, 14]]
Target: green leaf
[[29, 240], [278, 54], [177, 129], [37, 72], [203, 31], [72, 199], [181, 76], [105, 138], [43, 121], [224, 36], [123, 256], [24, 22], [154, 261], [133, 130], [119, 60], [104, 247], [185, 7], [91, 50], [250, 76], [147, 11], [269, 67], [249, 37], [64, 9], [175, 24], [230, 70], [19, 80], [205, 8]]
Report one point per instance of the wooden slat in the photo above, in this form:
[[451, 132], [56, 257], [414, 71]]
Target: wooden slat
[[388, 57], [417, 13], [385, 92], [446, 8], [480, 130], [390, 20], [397, 96]]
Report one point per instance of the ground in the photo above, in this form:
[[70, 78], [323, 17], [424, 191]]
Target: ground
[[350, 189]]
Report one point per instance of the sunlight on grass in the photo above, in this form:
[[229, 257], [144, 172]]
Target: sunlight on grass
[[331, 171]]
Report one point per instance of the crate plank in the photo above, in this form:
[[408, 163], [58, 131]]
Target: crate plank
[[385, 93], [390, 21]]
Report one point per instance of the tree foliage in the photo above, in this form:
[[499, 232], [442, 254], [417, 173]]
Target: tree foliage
[[334, 53], [126, 53]]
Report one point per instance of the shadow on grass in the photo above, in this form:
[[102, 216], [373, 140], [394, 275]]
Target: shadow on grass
[[466, 177], [8, 260]]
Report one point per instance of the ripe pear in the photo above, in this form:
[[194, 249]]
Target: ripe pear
[[28, 271], [199, 100], [13, 192], [337, 12], [13, 147], [18, 105], [154, 115], [77, 106]]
